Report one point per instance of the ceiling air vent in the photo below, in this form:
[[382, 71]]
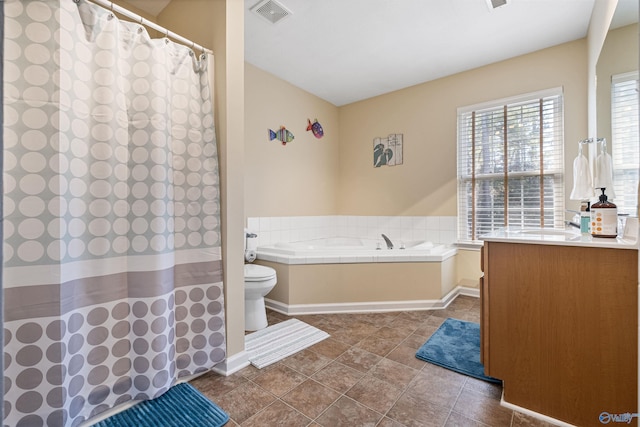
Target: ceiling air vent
[[271, 10], [494, 4]]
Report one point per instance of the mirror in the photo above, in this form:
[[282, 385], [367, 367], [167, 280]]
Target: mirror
[[619, 57]]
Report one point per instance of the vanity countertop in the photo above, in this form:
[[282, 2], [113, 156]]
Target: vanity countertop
[[565, 237]]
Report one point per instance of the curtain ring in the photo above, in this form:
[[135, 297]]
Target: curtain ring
[[111, 15]]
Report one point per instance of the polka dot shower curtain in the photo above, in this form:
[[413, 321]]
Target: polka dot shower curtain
[[112, 274]]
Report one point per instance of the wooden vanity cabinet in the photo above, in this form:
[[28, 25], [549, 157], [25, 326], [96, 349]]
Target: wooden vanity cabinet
[[559, 326]]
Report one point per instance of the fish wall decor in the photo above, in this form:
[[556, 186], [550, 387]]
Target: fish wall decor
[[315, 128], [282, 134]]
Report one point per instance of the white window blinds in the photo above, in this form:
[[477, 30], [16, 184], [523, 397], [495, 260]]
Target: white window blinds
[[511, 164], [625, 141]]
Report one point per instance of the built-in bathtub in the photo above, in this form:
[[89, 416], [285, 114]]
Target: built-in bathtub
[[343, 274], [350, 250]]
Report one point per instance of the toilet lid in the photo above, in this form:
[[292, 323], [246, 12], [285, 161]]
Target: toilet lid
[[256, 273]]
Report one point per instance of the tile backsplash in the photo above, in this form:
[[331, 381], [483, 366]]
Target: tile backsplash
[[436, 229]]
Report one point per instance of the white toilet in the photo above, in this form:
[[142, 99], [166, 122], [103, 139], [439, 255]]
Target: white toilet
[[259, 280]]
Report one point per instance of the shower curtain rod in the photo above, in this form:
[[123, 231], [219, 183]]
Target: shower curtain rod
[[143, 21]]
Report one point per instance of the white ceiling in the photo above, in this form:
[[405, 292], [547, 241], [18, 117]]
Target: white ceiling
[[349, 50]]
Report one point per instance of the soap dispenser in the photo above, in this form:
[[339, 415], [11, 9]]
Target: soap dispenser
[[604, 218]]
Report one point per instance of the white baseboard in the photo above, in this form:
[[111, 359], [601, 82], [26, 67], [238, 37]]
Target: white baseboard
[[470, 292], [368, 307], [232, 364], [109, 412], [533, 414]]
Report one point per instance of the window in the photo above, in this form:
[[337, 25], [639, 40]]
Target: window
[[625, 141], [511, 164]]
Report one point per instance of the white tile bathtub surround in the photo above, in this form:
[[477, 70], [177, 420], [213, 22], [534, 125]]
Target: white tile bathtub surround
[[437, 229]]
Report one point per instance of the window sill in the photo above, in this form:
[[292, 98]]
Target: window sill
[[470, 246]]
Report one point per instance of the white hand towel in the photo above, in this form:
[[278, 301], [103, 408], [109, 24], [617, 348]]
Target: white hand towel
[[582, 188]]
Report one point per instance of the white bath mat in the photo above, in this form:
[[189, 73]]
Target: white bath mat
[[278, 341]]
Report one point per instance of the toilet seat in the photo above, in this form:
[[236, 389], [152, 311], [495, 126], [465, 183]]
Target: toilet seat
[[258, 273]]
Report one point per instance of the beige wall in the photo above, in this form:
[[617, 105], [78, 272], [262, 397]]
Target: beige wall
[[426, 115], [295, 180], [468, 268], [300, 178], [219, 25], [619, 55], [137, 11]]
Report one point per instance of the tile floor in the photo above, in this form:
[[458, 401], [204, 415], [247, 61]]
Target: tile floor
[[365, 374]]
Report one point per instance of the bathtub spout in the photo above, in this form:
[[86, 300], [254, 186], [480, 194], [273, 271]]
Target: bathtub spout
[[389, 244]]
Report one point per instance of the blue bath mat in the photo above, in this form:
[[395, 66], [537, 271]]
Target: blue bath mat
[[456, 346], [181, 406]]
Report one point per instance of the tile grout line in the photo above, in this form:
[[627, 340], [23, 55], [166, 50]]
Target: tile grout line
[[344, 394], [346, 324], [402, 391], [456, 401]]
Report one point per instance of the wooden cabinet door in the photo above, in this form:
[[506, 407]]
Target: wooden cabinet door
[[563, 328]]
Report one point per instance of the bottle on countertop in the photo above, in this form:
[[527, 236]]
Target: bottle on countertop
[[604, 218], [585, 217]]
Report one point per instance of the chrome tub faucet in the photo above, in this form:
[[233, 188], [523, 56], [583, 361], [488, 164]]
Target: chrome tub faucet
[[389, 244]]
